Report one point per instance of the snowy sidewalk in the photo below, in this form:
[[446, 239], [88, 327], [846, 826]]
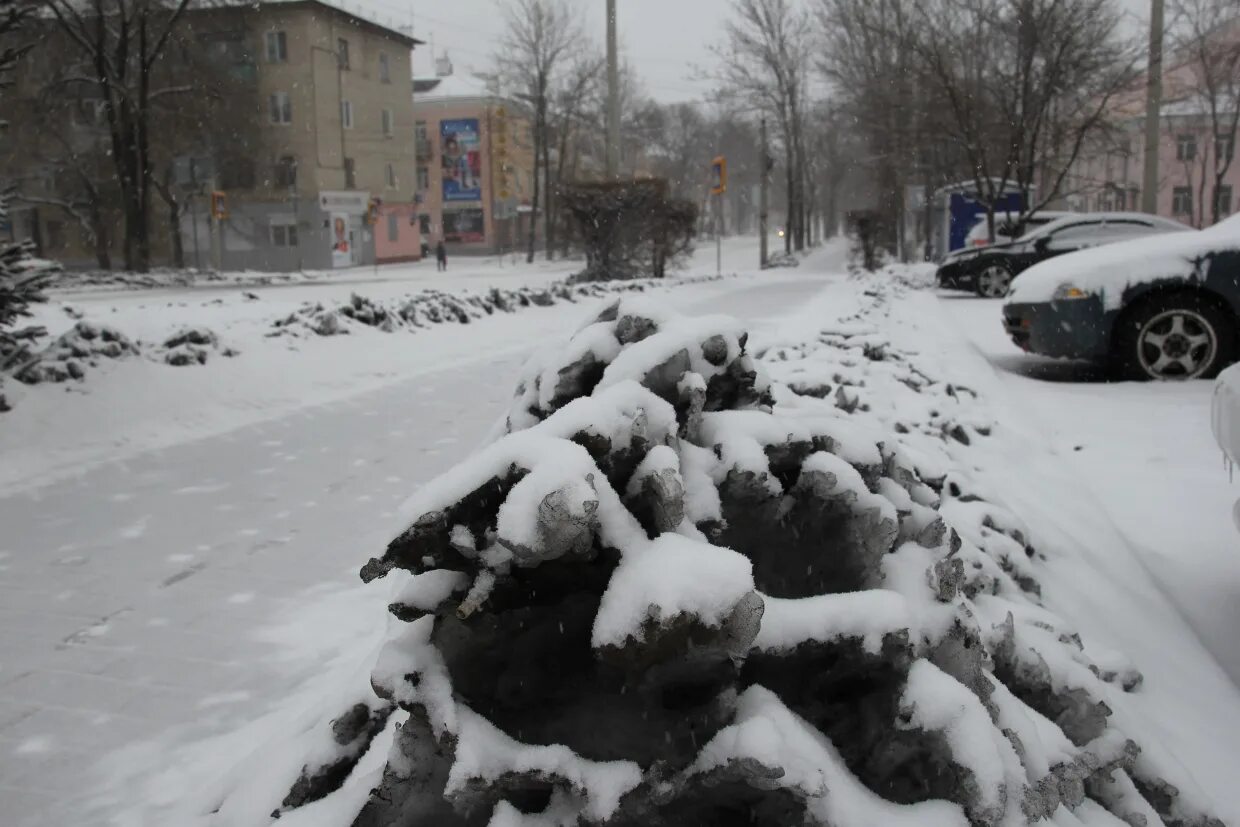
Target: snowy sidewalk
[[1146, 453], [131, 596]]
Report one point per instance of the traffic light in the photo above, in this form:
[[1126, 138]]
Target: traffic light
[[219, 207], [719, 176], [372, 211]]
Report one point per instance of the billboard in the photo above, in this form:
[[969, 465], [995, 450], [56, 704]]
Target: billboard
[[461, 151], [464, 226]]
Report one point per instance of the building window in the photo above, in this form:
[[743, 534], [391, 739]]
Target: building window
[[350, 174], [277, 47], [386, 122], [393, 223], [385, 70], [1186, 147], [1225, 146], [1222, 200], [1182, 201], [236, 173], [283, 235], [281, 108], [424, 179], [346, 114], [419, 132], [342, 53], [424, 224], [391, 176], [286, 172]]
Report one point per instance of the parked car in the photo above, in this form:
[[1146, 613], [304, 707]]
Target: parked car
[[1161, 307], [989, 271], [1225, 421], [1009, 227]]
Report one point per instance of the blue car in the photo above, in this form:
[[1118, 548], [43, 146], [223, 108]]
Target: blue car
[[1159, 307]]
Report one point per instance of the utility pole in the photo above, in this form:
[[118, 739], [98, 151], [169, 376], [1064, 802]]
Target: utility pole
[[763, 198], [613, 95], [1153, 109]]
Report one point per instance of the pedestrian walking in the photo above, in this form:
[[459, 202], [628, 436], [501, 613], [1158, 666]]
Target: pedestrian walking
[[441, 255]]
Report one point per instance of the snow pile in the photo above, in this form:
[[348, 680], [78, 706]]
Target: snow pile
[[431, 307], [87, 345], [674, 592], [68, 356], [192, 346]]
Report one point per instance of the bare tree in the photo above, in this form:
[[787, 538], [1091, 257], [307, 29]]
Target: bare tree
[[118, 44], [764, 61], [570, 101], [1025, 86], [539, 39], [880, 101], [1206, 37]]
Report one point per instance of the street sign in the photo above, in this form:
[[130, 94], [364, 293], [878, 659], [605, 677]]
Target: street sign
[[719, 176]]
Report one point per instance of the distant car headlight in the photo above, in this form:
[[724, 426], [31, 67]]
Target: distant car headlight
[[1068, 292]]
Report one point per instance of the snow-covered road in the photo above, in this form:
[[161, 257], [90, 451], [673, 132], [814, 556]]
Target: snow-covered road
[[130, 594]]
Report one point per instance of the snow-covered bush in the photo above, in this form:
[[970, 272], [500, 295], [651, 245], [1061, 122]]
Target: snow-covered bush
[[673, 592], [22, 279]]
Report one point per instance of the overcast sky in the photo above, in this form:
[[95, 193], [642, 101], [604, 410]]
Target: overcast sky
[[667, 40]]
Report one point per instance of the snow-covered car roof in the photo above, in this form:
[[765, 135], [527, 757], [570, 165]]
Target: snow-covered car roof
[[1091, 217], [1109, 270]]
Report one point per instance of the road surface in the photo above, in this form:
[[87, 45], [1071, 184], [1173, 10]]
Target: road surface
[[130, 596]]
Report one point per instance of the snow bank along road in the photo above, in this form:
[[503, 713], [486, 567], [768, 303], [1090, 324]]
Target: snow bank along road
[[132, 595]]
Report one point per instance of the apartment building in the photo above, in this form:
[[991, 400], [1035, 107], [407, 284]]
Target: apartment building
[[314, 156], [475, 165], [1195, 145]]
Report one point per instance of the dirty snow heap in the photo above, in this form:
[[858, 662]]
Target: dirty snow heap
[[673, 592]]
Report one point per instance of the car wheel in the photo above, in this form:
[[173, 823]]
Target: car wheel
[[1175, 337], [994, 281]]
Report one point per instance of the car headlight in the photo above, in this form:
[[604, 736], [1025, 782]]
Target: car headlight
[[1068, 292]]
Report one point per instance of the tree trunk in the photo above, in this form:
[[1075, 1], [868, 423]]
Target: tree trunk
[[549, 221], [535, 199], [103, 240]]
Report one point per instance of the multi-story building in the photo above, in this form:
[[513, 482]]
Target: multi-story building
[[1196, 149], [318, 167], [475, 165]]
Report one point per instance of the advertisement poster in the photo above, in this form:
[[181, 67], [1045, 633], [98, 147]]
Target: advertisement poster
[[462, 160], [342, 255], [464, 226]]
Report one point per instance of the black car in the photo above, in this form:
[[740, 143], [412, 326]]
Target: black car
[[1165, 307], [989, 271]]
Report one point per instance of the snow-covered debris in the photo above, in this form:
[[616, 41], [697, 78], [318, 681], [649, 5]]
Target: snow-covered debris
[[68, 356], [673, 591], [431, 307], [193, 346]]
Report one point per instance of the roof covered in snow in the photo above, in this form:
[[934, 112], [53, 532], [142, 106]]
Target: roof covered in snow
[[451, 86]]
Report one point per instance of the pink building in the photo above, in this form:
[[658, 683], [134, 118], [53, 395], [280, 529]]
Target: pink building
[[475, 166], [1196, 151]]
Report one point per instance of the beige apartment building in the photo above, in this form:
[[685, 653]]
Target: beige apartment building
[[475, 167], [321, 171]]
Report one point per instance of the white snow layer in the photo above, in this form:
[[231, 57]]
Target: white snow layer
[[1107, 271], [666, 578]]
